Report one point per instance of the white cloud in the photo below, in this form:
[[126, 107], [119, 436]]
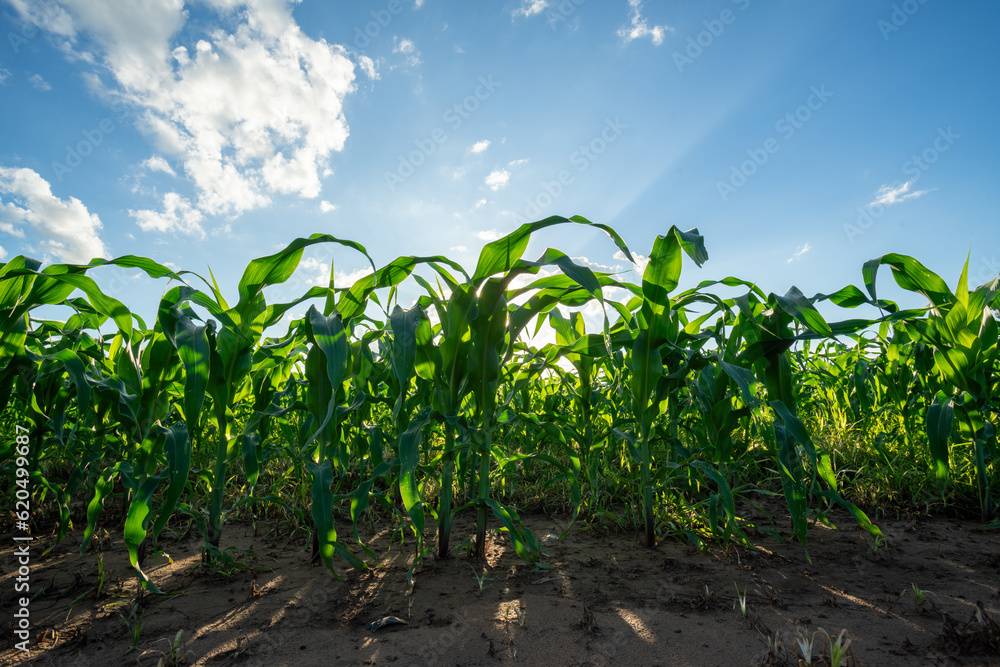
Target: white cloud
[[479, 146], [519, 163], [479, 203], [254, 109], [157, 163], [3, 252], [597, 266], [4, 75], [407, 49], [51, 16], [327, 207], [525, 279], [888, 195], [418, 4], [531, 7], [178, 215], [39, 83], [458, 248], [488, 235], [67, 230], [369, 67], [344, 279], [640, 28], [801, 250], [640, 260], [497, 179], [315, 271]]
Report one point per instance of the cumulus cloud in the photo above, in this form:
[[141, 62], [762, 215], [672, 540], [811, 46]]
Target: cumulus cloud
[[254, 109], [39, 83], [488, 235], [597, 266], [369, 67], [327, 207], [640, 260], [801, 250], [497, 179], [407, 49], [531, 7], [639, 28], [178, 215], [157, 163], [479, 203], [65, 229], [519, 163], [479, 146], [888, 195]]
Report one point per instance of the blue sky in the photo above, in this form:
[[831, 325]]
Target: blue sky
[[800, 138]]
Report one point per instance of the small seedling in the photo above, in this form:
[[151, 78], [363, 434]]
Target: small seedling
[[134, 622], [877, 544], [174, 657], [920, 598], [480, 579], [839, 650], [741, 599], [773, 647], [805, 643]]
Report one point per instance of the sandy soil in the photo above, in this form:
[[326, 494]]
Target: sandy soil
[[603, 600]]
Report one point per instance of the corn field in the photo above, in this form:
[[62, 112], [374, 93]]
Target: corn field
[[683, 408]]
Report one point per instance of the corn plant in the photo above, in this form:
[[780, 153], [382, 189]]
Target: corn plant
[[370, 406]]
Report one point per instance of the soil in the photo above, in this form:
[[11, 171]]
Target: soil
[[603, 599]]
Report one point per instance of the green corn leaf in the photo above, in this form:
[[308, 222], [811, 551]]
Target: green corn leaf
[[798, 306], [135, 526], [911, 275], [858, 515], [193, 349], [663, 271], [322, 514], [403, 325], [103, 486], [940, 418], [728, 501], [528, 548], [409, 459], [177, 448], [501, 255]]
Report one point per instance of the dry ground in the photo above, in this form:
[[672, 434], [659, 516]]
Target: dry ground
[[604, 600]]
